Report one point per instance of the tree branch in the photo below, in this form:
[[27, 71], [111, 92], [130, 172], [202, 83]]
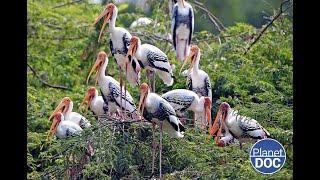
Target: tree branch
[[46, 83], [269, 24], [212, 17]]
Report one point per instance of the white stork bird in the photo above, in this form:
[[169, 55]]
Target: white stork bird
[[63, 128], [240, 127], [65, 107], [182, 100], [157, 110], [97, 103], [110, 88], [119, 42], [151, 58], [198, 81], [182, 28]]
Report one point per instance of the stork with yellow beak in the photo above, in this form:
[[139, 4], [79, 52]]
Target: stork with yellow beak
[[110, 87], [198, 81], [119, 42], [182, 28], [157, 110], [97, 103], [151, 58], [65, 107], [240, 127], [63, 128], [183, 100]]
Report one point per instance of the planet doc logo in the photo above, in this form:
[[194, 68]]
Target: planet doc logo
[[267, 156]]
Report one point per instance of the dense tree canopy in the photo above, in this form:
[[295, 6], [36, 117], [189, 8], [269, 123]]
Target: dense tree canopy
[[62, 46]]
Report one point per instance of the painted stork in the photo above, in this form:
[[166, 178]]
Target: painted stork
[[240, 127], [157, 110], [63, 128], [97, 103], [182, 28], [198, 81], [65, 107], [182, 100], [151, 58], [119, 42], [110, 88]]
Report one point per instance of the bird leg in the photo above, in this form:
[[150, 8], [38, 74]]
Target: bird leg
[[153, 82], [151, 79], [120, 90], [153, 147], [160, 149]]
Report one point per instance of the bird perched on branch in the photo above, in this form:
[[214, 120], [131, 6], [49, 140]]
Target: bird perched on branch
[[182, 100], [240, 127], [65, 107], [63, 128], [182, 28], [151, 58], [97, 103], [110, 88], [198, 81], [158, 111], [119, 42]]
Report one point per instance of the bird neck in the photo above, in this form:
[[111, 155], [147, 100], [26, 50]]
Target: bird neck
[[67, 113], [196, 64], [112, 23], [200, 106], [102, 72], [94, 99], [180, 3]]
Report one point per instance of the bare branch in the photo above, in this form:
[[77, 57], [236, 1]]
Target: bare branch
[[212, 17], [46, 83], [281, 11]]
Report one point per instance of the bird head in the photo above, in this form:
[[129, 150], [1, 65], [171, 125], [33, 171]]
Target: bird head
[[91, 92], [220, 118], [134, 41], [57, 118], [194, 52], [144, 90], [62, 107], [101, 59], [107, 13]]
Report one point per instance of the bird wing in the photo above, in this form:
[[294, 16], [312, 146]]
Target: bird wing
[[126, 42], [181, 102], [72, 129], [158, 61], [111, 47], [189, 83], [174, 25], [208, 87], [251, 127], [127, 101], [168, 113]]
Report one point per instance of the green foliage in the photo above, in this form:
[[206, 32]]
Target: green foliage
[[62, 45]]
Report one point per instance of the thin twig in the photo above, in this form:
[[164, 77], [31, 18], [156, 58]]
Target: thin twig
[[269, 24], [46, 83], [212, 17]]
